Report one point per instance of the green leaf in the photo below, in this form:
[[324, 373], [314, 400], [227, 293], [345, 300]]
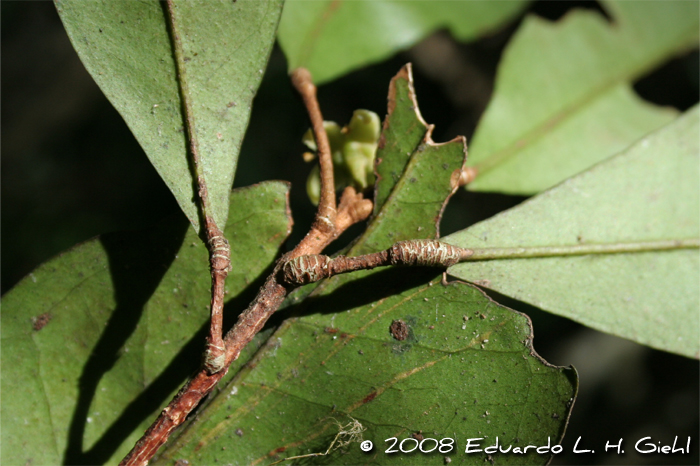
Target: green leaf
[[331, 37], [466, 368], [415, 175], [563, 99], [127, 49], [403, 130], [647, 194], [450, 378], [125, 323]]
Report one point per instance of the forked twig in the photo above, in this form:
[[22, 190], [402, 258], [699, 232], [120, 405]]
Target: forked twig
[[327, 226]]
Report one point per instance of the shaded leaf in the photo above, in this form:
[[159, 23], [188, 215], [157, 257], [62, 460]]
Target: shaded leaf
[[563, 99], [331, 37], [649, 193], [414, 174], [403, 130], [126, 47], [127, 317], [449, 378], [338, 357]]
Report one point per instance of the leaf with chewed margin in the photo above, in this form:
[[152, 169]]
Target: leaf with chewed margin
[[643, 206], [97, 340], [563, 99], [332, 38], [457, 365], [127, 49]]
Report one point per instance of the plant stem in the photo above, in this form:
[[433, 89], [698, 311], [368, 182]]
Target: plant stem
[[422, 252], [326, 214], [482, 254], [219, 251]]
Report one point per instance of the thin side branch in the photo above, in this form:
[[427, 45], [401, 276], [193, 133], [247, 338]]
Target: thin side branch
[[219, 251], [220, 264], [422, 252], [325, 217]]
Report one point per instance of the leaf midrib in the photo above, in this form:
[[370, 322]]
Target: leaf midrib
[[482, 254]]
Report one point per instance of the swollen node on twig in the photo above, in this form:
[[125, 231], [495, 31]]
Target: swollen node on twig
[[220, 253], [306, 269], [426, 252], [214, 358]]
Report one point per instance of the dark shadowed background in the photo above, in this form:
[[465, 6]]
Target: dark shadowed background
[[72, 170]]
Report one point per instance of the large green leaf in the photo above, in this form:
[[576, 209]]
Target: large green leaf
[[450, 377], [127, 49], [465, 369], [646, 198], [563, 99], [331, 37], [124, 325]]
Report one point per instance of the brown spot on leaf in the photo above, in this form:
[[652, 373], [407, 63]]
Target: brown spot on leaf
[[418, 435], [330, 330], [399, 330], [369, 397], [40, 322]]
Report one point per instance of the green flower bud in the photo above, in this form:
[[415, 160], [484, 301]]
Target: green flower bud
[[359, 160], [335, 136], [364, 127], [313, 185], [353, 149]]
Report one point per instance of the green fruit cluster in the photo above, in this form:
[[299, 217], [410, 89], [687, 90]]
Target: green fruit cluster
[[353, 148]]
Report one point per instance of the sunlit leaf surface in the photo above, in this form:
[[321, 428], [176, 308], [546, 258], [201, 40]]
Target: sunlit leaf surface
[[649, 193], [563, 99]]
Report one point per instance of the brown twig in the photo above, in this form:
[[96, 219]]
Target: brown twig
[[421, 252], [325, 221], [220, 263]]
